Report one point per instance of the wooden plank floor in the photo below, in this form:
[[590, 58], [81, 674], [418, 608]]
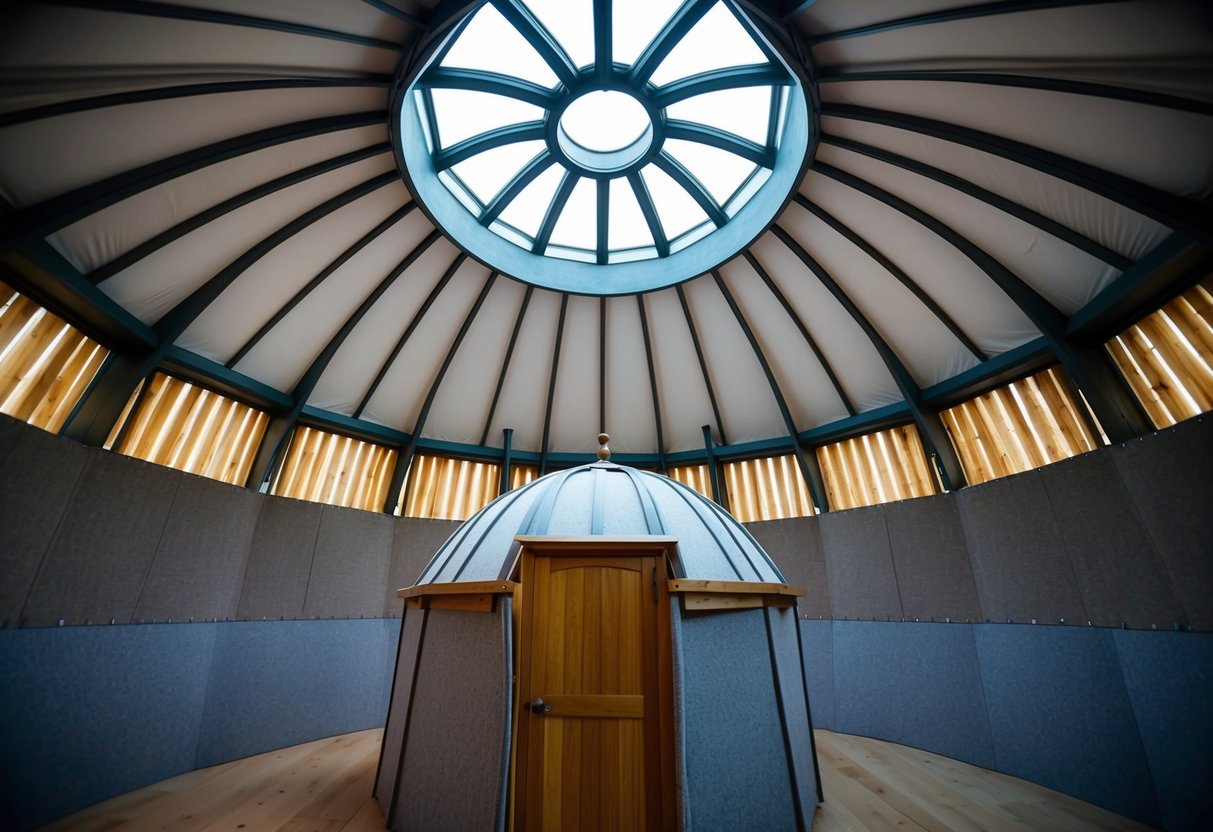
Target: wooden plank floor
[[325, 786]]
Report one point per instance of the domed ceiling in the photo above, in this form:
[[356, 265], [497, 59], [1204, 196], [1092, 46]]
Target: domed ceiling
[[225, 180]]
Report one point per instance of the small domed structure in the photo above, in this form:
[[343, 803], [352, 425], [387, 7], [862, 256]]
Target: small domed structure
[[603, 499], [639, 668]]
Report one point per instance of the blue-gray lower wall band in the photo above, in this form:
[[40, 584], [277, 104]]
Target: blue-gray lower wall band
[[1119, 718], [88, 713]]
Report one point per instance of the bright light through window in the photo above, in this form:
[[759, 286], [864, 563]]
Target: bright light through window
[[605, 120], [597, 158]]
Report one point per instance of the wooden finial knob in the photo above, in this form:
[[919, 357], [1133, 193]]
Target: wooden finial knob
[[604, 453]]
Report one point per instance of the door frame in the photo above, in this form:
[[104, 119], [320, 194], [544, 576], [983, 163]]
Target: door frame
[[663, 549]]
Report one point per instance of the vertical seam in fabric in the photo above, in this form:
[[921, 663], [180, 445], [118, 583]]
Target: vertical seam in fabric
[[159, 542], [893, 563], [1065, 546], [1141, 738], [54, 537], [311, 566]]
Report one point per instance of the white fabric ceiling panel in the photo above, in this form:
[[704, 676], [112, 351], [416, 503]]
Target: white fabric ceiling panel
[[806, 387], [152, 286], [921, 341], [100, 237], [159, 281], [575, 406], [277, 359], [112, 43], [629, 395], [349, 375], [979, 307], [1098, 131], [397, 401], [352, 18], [45, 158], [524, 395], [270, 283], [848, 350], [1066, 276], [1106, 222], [462, 403], [747, 405], [685, 405], [834, 15], [1149, 30]]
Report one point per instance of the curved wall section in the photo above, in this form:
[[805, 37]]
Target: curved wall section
[[88, 713], [1117, 717], [92, 537], [1119, 535]]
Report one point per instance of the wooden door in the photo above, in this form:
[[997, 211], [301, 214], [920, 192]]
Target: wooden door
[[597, 753]]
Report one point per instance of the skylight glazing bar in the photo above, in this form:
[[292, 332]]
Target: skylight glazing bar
[[674, 30], [604, 67], [516, 186], [692, 186], [650, 214], [522, 19], [553, 213]]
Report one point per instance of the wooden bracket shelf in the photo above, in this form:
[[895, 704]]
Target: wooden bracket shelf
[[733, 595], [473, 596]]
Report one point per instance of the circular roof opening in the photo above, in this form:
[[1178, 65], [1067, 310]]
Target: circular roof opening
[[603, 148], [605, 121]]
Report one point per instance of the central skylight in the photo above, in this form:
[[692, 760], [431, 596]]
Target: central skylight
[[604, 147]]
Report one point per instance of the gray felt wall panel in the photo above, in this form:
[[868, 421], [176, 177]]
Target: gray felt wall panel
[[934, 575], [1119, 573], [414, 542], [280, 559], [1170, 477], [795, 546], [451, 772], [38, 472], [817, 643], [1169, 676], [1060, 714], [785, 655], [737, 769], [916, 685], [199, 564], [91, 712], [349, 569], [1019, 559], [859, 563], [278, 683], [104, 547], [409, 649]]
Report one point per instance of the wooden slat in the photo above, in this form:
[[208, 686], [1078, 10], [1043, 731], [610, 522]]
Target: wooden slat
[[721, 601], [520, 475], [1190, 374], [339, 470], [1017, 427], [734, 587], [693, 476], [459, 588], [444, 488], [45, 364], [192, 429], [876, 468], [770, 488]]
